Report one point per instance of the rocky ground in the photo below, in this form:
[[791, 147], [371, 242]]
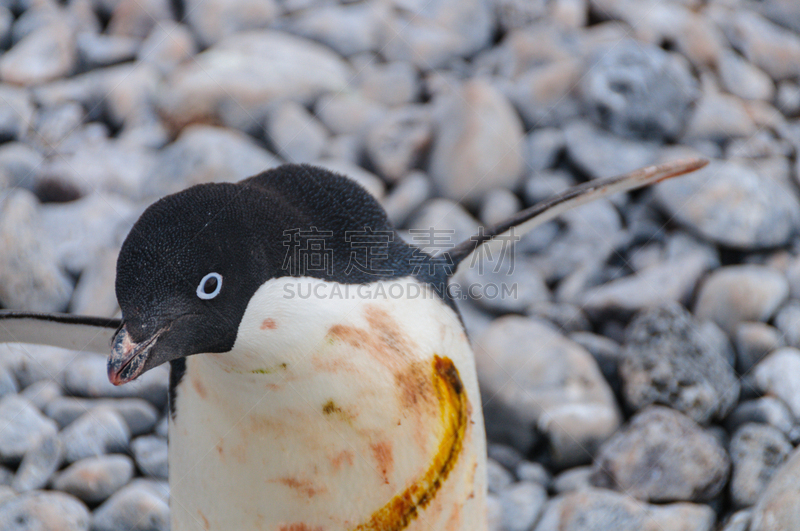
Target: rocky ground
[[646, 374]]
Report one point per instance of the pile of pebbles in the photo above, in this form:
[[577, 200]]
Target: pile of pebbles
[[645, 374]]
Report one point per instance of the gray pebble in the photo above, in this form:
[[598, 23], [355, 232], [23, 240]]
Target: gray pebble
[[296, 135], [168, 44], [778, 506], [29, 428], [398, 141], [505, 455], [140, 415], [566, 317], [478, 144], [499, 281], [94, 479], [87, 377], [494, 512], [557, 390], [6, 476], [96, 50], [349, 29], [16, 109], [572, 479], [498, 205], [162, 428], [133, 508], [544, 184], [497, 477], [738, 521], [606, 352], [773, 49], [732, 205], [757, 452], [39, 464], [522, 504], [788, 98], [97, 432], [8, 384], [533, 473], [662, 456], [600, 154], [349, 113], [41, 393], [600, 509], [544, 146], [151, 455], [393, 84], [46, 53], [765, 410], [779, 374], [406, 197], [787, 320], [638, 90], [718, 117], [668, 360], [743, 79], [753, 341], [45, 511]]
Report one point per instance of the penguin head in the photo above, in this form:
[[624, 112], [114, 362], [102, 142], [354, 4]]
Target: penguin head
[[184, 276]]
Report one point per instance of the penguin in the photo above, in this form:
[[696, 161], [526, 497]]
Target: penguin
[[321, 378]]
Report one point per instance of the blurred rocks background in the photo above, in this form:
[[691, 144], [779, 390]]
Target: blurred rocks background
[[646, 373]]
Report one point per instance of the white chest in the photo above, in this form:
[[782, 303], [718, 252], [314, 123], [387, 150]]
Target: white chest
[[335, 411]]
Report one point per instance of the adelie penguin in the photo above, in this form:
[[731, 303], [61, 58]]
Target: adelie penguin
[[302, 399]]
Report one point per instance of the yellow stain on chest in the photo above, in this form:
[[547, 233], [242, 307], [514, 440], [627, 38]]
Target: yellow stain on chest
[[454, 412]]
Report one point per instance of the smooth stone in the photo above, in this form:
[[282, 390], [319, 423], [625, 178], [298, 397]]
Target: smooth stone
[[392, 84], [778, 507], [162, 428], [397, 142], [132, 508], [41, 393], [787, 321], [139, 414], [638, 90], [204, 154], [753, 341], [669, 360], [719, 117], [96, 50], [743, 79], [504, 455], [34, 363], [135, 18], [348, 29], [406, 197], [765, 410], [522, 504], [543, 94], [734, 294], [572, 479], [94, 293], [87, 377], [566, 317], [213, 20], [757, 452], [30, 276], [556, 389], [44, 511], [478, 143], [151, 456], [501, 282], [738, 521], [440, 225], [17, 112], [773, 49], [30, 428], [606, 352], [295, 133], [494, 512], [8, 384], [544, 184], [429, 34], [534, 473], [788, 98], [731, 205], [234, 81], [55, 124], [600, 154], [672, 280], [779, 375], [599, 509], [497, 477], [348, 113], [96, 432], [168, 44], [662, 455], [94, 479], [544, 146], [39, 464], [45, 54], [20, 162], [498, 205]]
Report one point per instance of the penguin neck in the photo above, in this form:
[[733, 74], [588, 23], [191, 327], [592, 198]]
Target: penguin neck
[[321, 391]]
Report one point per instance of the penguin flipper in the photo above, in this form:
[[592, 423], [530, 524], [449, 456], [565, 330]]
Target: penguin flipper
[[74, 332], [587, 192]]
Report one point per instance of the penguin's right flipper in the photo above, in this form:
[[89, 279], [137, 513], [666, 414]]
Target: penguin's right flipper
[[74, 332]]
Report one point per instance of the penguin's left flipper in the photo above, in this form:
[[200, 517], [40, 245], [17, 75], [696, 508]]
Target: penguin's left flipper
[[74, 332]]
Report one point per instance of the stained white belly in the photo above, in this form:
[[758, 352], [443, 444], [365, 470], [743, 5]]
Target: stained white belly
[[331, 414]]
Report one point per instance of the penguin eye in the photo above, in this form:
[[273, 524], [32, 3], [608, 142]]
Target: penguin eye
[[210, 285]]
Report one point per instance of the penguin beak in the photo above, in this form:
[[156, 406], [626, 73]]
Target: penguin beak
[[128, 359]]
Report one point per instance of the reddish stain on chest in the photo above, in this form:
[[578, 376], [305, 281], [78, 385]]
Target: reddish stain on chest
[[382, 452], [302, 486], [268, 324]]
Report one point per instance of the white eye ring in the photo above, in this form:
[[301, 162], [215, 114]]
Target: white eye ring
[[201, 292]]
